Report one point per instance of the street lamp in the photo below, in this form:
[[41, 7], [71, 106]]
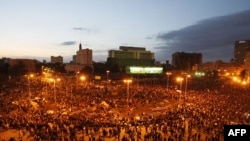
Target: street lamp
[[77, 79], [187, 76], [82, 78], [54, 85], [107, 74], [127, 81], [180, 79], [168, 73], [29, 76]]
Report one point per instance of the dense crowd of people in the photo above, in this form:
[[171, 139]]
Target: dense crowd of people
[[88, 110]]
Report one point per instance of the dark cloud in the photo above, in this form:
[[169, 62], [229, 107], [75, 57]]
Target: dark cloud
[[82, 29], [150, 37], [213, 37], [68, 43]]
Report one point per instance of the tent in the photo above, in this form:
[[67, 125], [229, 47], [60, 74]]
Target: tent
[[104, 103], [50, 112]]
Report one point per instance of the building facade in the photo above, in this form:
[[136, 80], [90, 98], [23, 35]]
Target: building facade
[[84, 57], [240, 50], [56, 59], [131, 56], [74, 59], [186, 61], [73, 67], [23, 65], [224, 69], [247, 66]]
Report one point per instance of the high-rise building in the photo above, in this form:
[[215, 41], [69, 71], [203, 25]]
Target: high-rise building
[[186, 61], [84, 56], [247, 66], [74, 59], [240, 50], [131, 56], [56, 59]]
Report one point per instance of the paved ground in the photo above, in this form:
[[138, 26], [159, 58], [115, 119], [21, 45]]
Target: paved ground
[[11, 133]]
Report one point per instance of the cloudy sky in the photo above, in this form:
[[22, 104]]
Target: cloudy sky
[[39, 29]]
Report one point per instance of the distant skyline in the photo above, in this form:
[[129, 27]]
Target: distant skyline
[[40, 29]]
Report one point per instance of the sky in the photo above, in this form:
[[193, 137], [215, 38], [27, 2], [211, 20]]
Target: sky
[[38, 29]]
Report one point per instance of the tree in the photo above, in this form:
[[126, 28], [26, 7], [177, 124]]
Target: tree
[[19, 69]]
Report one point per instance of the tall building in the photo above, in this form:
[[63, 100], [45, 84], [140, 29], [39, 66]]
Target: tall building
[[56, 59], [186, 61], [247, 66], [84, 56], [74, 59], [131, 56], [240, 50]]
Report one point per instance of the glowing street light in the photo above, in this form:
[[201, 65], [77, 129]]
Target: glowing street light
[[187, 76], [54, 85], [180, 79], [107, 78], [107, 74], [127, 81], [244, 82], [82, 78], [29, 76], [168, 73]]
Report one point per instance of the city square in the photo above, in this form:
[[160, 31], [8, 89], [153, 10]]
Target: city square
[[127, 70], [36, 108]]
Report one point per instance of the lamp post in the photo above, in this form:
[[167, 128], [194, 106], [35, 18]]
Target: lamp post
[[168, 73], [31, 75], [180, 79], [187, 76], [107, 72], [82, 78], [54, 86], [127, 81], [77, 79]]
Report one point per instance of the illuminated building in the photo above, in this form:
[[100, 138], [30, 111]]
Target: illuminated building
[[240, 50], [84, 57], [131, 56]]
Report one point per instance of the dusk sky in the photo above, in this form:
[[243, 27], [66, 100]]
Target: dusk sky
[[38, 29]]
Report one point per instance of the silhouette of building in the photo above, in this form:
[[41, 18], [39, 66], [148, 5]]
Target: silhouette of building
[[84, 57], [186, 61], [240, 50], [73, 67], [56, 59], [23, 65], [223, 69], [130, 56]]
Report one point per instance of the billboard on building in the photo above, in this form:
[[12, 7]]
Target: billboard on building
[[144, 70]]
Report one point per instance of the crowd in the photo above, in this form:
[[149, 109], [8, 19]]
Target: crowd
[[70, 111]]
